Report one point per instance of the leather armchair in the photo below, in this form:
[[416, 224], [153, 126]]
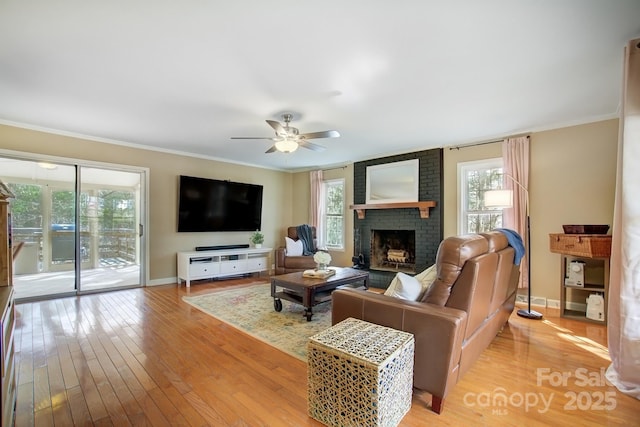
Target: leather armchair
[[462, 311], [289, 264]]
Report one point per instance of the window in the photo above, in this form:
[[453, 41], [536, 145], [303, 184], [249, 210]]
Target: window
[[475, 178], [333, 217]]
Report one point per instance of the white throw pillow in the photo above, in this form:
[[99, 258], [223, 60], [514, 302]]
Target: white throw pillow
[[425, 278], [392, 286], [407, 287], [294, 247]]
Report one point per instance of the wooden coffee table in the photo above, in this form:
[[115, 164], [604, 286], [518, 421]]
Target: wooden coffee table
[[311, 291]]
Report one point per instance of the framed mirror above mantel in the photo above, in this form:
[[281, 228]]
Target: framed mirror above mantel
[[393, 185], [395, 182]]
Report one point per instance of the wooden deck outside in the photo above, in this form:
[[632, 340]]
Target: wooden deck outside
[[108, 276]]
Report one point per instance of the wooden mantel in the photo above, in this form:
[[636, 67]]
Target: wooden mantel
[[422, 206]]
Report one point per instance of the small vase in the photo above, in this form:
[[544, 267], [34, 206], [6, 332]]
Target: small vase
[[257, 245], [322, 267]]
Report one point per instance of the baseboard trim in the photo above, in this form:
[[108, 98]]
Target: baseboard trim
[[535, 301], [553, 303], [164, 281]]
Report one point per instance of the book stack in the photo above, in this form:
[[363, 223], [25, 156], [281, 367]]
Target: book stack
[[318, 274]]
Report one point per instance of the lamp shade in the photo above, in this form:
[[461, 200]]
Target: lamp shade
[[498, 199], [286, 146]]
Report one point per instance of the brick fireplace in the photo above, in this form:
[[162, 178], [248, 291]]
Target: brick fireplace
[[382, 229]]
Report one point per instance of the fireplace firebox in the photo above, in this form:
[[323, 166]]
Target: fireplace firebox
[[393, 250]]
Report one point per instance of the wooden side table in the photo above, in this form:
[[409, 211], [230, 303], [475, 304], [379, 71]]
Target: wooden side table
[[592, 251]]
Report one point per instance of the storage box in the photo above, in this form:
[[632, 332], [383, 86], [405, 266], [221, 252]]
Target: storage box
[[595, 307], [360, 374], [584, 245]]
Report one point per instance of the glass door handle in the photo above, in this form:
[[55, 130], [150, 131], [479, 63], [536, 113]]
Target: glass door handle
[[140, 230]]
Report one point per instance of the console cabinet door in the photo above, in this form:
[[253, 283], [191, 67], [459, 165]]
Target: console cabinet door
[[257, 264], [204, 269]]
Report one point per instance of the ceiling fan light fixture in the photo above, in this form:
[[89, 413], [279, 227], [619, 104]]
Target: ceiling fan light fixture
[[289, 138], [286, 145]]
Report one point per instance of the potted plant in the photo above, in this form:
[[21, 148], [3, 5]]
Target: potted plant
[[257, 238]]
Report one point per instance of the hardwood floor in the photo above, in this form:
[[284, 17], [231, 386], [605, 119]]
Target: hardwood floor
[[144, 357]]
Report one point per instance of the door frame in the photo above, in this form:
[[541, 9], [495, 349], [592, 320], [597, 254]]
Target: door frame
[[78, 164]]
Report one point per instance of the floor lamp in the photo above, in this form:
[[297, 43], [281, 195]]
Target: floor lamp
[[504, 199]]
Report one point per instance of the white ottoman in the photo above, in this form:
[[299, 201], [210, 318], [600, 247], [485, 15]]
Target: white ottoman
[[360, 374]]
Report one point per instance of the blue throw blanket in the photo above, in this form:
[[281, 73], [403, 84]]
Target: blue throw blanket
[[515, 241], [306, 235]]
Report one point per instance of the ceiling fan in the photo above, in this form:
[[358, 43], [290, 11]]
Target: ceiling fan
[[288, 138]]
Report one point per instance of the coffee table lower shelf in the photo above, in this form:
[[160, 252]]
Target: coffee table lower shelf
[[297, 298]]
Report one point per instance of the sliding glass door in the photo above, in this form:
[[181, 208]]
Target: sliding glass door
[[110, 228], [76, 228], [43, 216]]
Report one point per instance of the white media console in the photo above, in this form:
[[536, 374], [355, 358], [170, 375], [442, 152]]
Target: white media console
[[219, 263]]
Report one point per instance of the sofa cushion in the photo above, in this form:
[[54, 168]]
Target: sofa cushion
[[299, 263], [452, 254], [294, 247], [497, 240]]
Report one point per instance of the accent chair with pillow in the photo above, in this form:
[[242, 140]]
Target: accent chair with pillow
[[453, 316], [290, 258]]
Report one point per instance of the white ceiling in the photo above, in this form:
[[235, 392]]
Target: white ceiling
[[391, 77]]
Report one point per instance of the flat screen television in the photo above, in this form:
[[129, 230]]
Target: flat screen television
[[215, 205]]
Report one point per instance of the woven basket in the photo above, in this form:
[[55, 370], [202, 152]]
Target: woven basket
[[584, 245], [360, 374], [585, 229]]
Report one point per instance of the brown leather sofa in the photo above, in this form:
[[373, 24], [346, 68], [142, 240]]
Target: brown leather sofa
[[289, 264], [460, 314]]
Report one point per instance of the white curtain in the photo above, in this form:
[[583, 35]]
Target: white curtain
[[624, 283], [515, 159], [317, 205]]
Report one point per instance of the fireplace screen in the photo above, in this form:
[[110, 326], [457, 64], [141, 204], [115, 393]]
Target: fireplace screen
[[393, 250]]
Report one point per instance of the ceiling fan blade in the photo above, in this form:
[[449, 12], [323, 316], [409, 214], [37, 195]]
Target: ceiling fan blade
[[310, 145], [251, 137], [271, 150], [277, 127], [325, 134]]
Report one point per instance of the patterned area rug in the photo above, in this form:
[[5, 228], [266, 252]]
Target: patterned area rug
[[250, 309]]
